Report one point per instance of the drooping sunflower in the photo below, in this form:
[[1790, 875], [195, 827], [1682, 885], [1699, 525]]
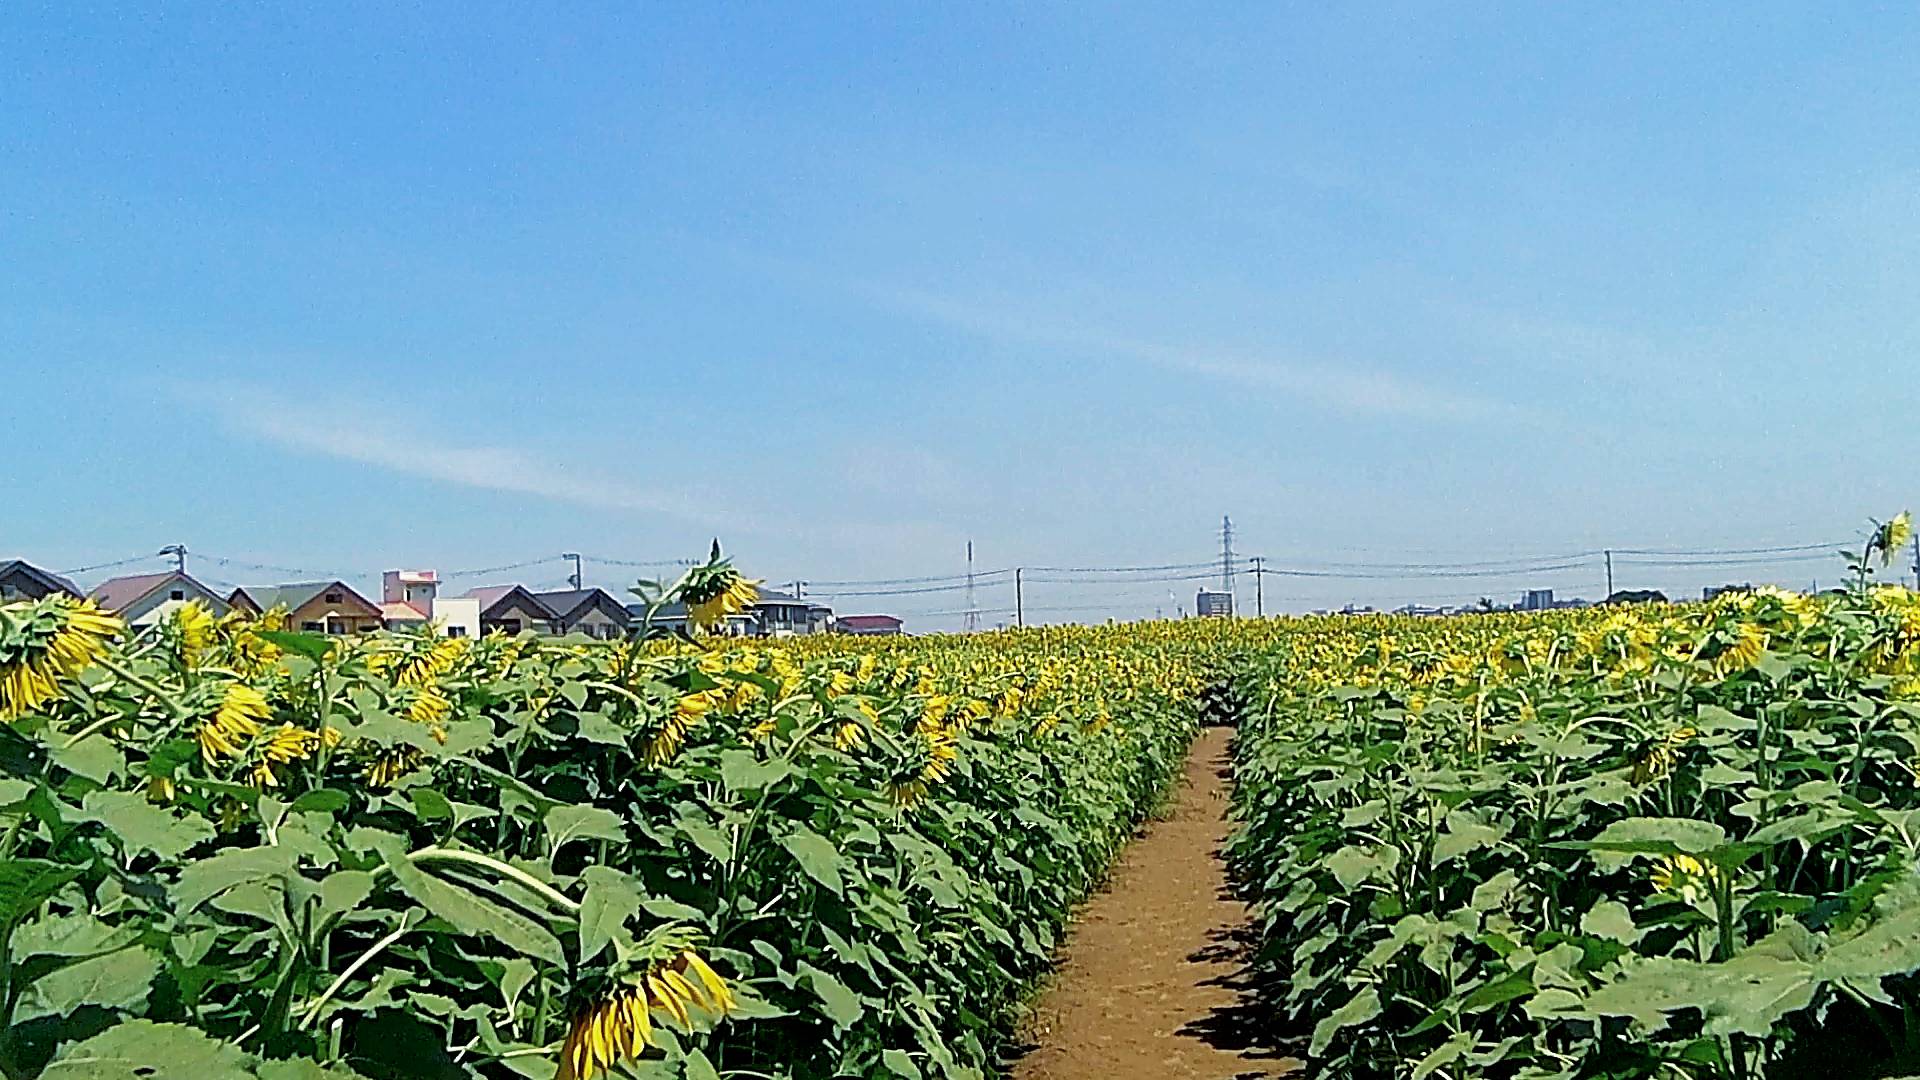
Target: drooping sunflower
[[619, 1025], [1890, 537], [234, 723], [46, 641], [929, 757], [191, 628], [1740, 650]]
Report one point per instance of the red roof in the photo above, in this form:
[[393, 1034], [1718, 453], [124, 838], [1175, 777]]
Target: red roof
[[867, 622]]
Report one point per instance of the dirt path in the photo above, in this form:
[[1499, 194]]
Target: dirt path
[[1147, 985]]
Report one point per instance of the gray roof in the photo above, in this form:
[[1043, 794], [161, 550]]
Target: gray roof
[[48, 580], [568, 603], [490, 595]]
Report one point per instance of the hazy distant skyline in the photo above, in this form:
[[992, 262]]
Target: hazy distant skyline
[[461, 286]]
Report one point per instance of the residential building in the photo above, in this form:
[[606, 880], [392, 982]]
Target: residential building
[[1537, 600], [20, 580], [145, 599], [511, 609], [673, 616], [411, 599], [786, 615], [313, 607], [1712, 591], [869, 625], [1213, 603], [593, 612]]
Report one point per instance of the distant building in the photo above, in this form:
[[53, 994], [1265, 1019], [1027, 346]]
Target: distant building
[[869, 625], [1210, 603], [313, 607], [21, 580], [673, 616], [593, 612], [1712, 591], [786, 615], [1537, 600], [145, 599], [410, 599], [511, 609], [1638, 596]]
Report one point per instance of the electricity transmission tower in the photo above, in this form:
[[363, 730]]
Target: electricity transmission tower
[[973, 609], [1226, 554]]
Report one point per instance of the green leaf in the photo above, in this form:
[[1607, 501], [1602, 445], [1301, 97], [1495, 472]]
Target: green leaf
[[472, 914], [841, 1005], [118, 980], [312, 646], [24, 883], [900, 1063], [566, 823], [611, 899], [144, 1050], [817, 856], [1359, 1009], [1610, 919], [699, 1068], [707, 839], [94, 757], [204, 879], [742, 771], [139, 825]]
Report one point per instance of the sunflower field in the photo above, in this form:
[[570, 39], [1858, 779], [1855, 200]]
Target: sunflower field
[[1674, 841], [231, 851]]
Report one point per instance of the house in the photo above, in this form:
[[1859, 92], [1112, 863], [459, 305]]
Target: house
[[145, 599], [868, 625], [410, 599], [593, 612], [673, 616], [21, 580], [781, 614], [313, 607], [511, 609]]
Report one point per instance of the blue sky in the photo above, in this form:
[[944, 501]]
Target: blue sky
[[463, 285]]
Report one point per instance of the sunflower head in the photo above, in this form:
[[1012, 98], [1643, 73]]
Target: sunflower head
[[1891, 536], [47, 641], [716, 590], [1686, 877], [662, 974]]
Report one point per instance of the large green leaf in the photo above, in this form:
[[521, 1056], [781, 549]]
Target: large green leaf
[[472, 914], [139, 825], [117, 980], [817, 856], [143, 1050], [24, 883]]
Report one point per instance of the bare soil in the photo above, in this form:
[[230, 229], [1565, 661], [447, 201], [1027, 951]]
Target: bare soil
[[1150, 981]]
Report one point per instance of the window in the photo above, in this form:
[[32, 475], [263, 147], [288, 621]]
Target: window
[[8, 592], [511, 626], [333, 598], [177, 594], [312, 627], [456, 631], [336, 626]]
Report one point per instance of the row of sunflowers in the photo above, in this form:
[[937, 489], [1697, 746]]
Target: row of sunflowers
[[235, 851], [1675, 841]]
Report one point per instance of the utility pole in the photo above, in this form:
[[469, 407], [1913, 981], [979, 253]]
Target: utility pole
[[1609, 554], [1019, 597], [1259, 588], [1916, 560], [179, 553], [578, 579], [973, 609]]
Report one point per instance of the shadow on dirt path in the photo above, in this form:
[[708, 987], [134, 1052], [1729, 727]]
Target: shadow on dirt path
[[1150, 981]]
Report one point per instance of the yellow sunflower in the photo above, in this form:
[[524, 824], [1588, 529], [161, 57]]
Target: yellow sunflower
[[46, 641]]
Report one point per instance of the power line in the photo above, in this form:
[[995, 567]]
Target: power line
[[128, 561]]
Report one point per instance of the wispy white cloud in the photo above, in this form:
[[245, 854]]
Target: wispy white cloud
[[296, 424], [1338, 387]]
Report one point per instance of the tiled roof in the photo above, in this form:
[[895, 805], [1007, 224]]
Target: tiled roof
[[121, 593]]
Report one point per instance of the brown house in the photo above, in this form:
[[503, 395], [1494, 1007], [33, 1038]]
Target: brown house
[[315, 607], [511, 609]]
